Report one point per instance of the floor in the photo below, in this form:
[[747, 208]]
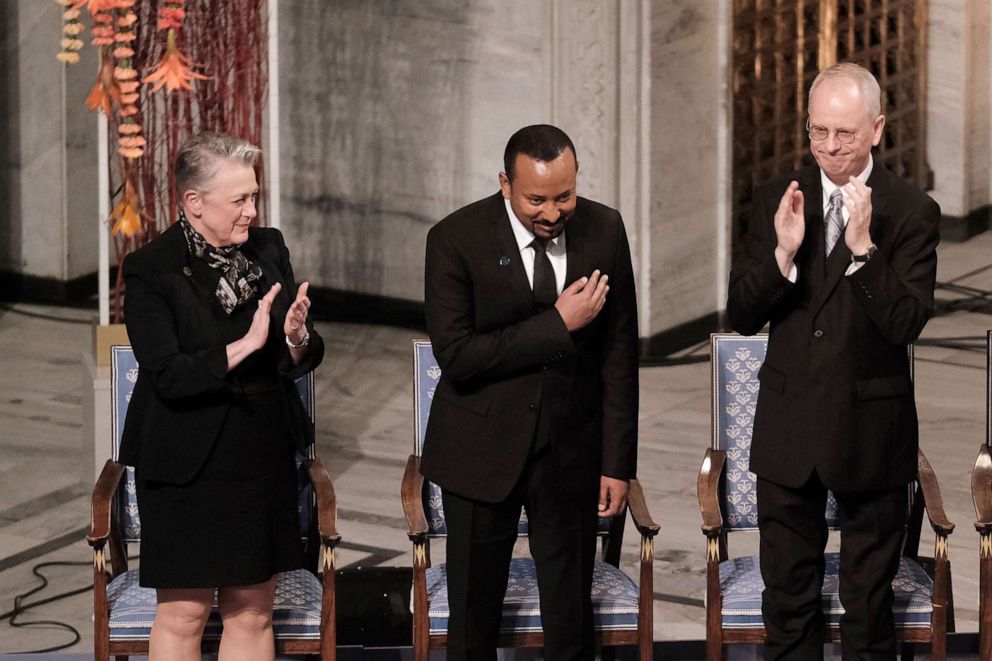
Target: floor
[[365, 433]]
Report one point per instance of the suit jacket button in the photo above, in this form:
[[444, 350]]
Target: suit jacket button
[[818, 333], [532, 406]]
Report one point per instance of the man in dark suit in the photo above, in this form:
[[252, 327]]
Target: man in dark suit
[[537, 402], [841, 259]]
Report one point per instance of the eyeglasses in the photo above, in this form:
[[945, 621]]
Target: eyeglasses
[[819, 133]]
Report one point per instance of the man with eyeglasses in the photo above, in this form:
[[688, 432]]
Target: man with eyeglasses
[[840, 258]]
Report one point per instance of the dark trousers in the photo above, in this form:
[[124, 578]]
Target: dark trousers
[[793, 536], [562, 536]]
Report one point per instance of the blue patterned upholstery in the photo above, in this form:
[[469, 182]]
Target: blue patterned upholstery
[[614, 594], [123, 376], [736, 361], [132, 608], [426, 374], [295, 615], [741, 586], [614, 599]]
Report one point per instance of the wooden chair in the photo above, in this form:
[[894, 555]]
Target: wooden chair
[[981, 493], [727, 500], [622, 610], [303, 615]]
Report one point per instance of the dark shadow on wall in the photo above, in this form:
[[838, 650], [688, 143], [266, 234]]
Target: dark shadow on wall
[[372, 136], [10, 156]]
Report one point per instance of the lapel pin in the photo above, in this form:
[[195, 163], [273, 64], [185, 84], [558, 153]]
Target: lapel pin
[[504, 261]]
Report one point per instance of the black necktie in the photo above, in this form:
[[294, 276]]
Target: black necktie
[[545, 287]]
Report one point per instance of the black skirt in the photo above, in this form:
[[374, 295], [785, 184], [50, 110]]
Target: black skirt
[[236, 523]]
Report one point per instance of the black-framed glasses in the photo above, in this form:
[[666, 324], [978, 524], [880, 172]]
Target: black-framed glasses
[[819, 133]]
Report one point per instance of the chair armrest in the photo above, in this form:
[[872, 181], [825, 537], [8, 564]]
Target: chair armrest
[[981, 490], [327, 506], [639, 513], [931, 497], [707, 491], [413, 505], [102, 501]]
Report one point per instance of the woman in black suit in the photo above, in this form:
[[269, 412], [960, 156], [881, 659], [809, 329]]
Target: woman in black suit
[[220, 332]]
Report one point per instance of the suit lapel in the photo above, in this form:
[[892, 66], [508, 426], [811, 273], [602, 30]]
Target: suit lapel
[[202, 280], [840, 257], [270, 276], [575, 242], [828, 269], [506, 254]]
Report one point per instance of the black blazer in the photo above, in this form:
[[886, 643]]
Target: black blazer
[[836, 394], [183, 392], [501, 362]]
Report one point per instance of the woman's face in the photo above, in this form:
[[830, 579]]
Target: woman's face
[[223, 209]]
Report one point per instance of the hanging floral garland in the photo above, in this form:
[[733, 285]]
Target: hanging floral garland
[[136, 63]]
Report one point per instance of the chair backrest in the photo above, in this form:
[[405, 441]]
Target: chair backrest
[[426, 374], [735, 361], [123, 376]]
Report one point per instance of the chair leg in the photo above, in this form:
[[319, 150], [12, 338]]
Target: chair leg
[[908, 652], [607, 653], [715, 649], [985, 602]]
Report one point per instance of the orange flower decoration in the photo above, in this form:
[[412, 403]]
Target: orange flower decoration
[[105, 89], [97, 6], [174, 71], [126, 216]]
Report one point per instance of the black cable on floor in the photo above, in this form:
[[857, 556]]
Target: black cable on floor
[[20, 607]]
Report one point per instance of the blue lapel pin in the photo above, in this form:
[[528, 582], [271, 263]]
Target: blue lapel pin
[[504, 261]]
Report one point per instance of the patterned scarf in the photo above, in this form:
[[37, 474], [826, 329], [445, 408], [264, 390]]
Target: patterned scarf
[[238, 275]]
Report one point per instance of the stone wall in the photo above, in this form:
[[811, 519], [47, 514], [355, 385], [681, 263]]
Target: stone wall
[[47, 147], [393, 115], [959, 119], [392, 118]]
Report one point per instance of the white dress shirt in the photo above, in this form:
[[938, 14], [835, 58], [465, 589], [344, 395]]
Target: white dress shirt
[[525, 239], [828, 188]]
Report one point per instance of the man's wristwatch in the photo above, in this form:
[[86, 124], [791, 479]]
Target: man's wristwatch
[[304, 342], [861, 259]]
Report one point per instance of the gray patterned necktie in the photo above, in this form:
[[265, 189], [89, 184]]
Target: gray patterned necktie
[[834, 220]]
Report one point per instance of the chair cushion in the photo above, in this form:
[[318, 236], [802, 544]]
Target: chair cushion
[[614, 599], [741, 586], [295, 614]]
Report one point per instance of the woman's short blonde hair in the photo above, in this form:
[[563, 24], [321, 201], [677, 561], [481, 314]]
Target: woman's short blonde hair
[[200, 156]]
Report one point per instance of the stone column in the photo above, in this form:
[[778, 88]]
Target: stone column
[[48, 144], [690, 204], [959, 129]]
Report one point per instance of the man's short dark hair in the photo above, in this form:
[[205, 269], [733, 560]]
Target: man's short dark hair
[[542, 142]]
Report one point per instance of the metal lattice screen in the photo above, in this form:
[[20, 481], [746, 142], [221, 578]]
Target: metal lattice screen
[[778, 48]]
